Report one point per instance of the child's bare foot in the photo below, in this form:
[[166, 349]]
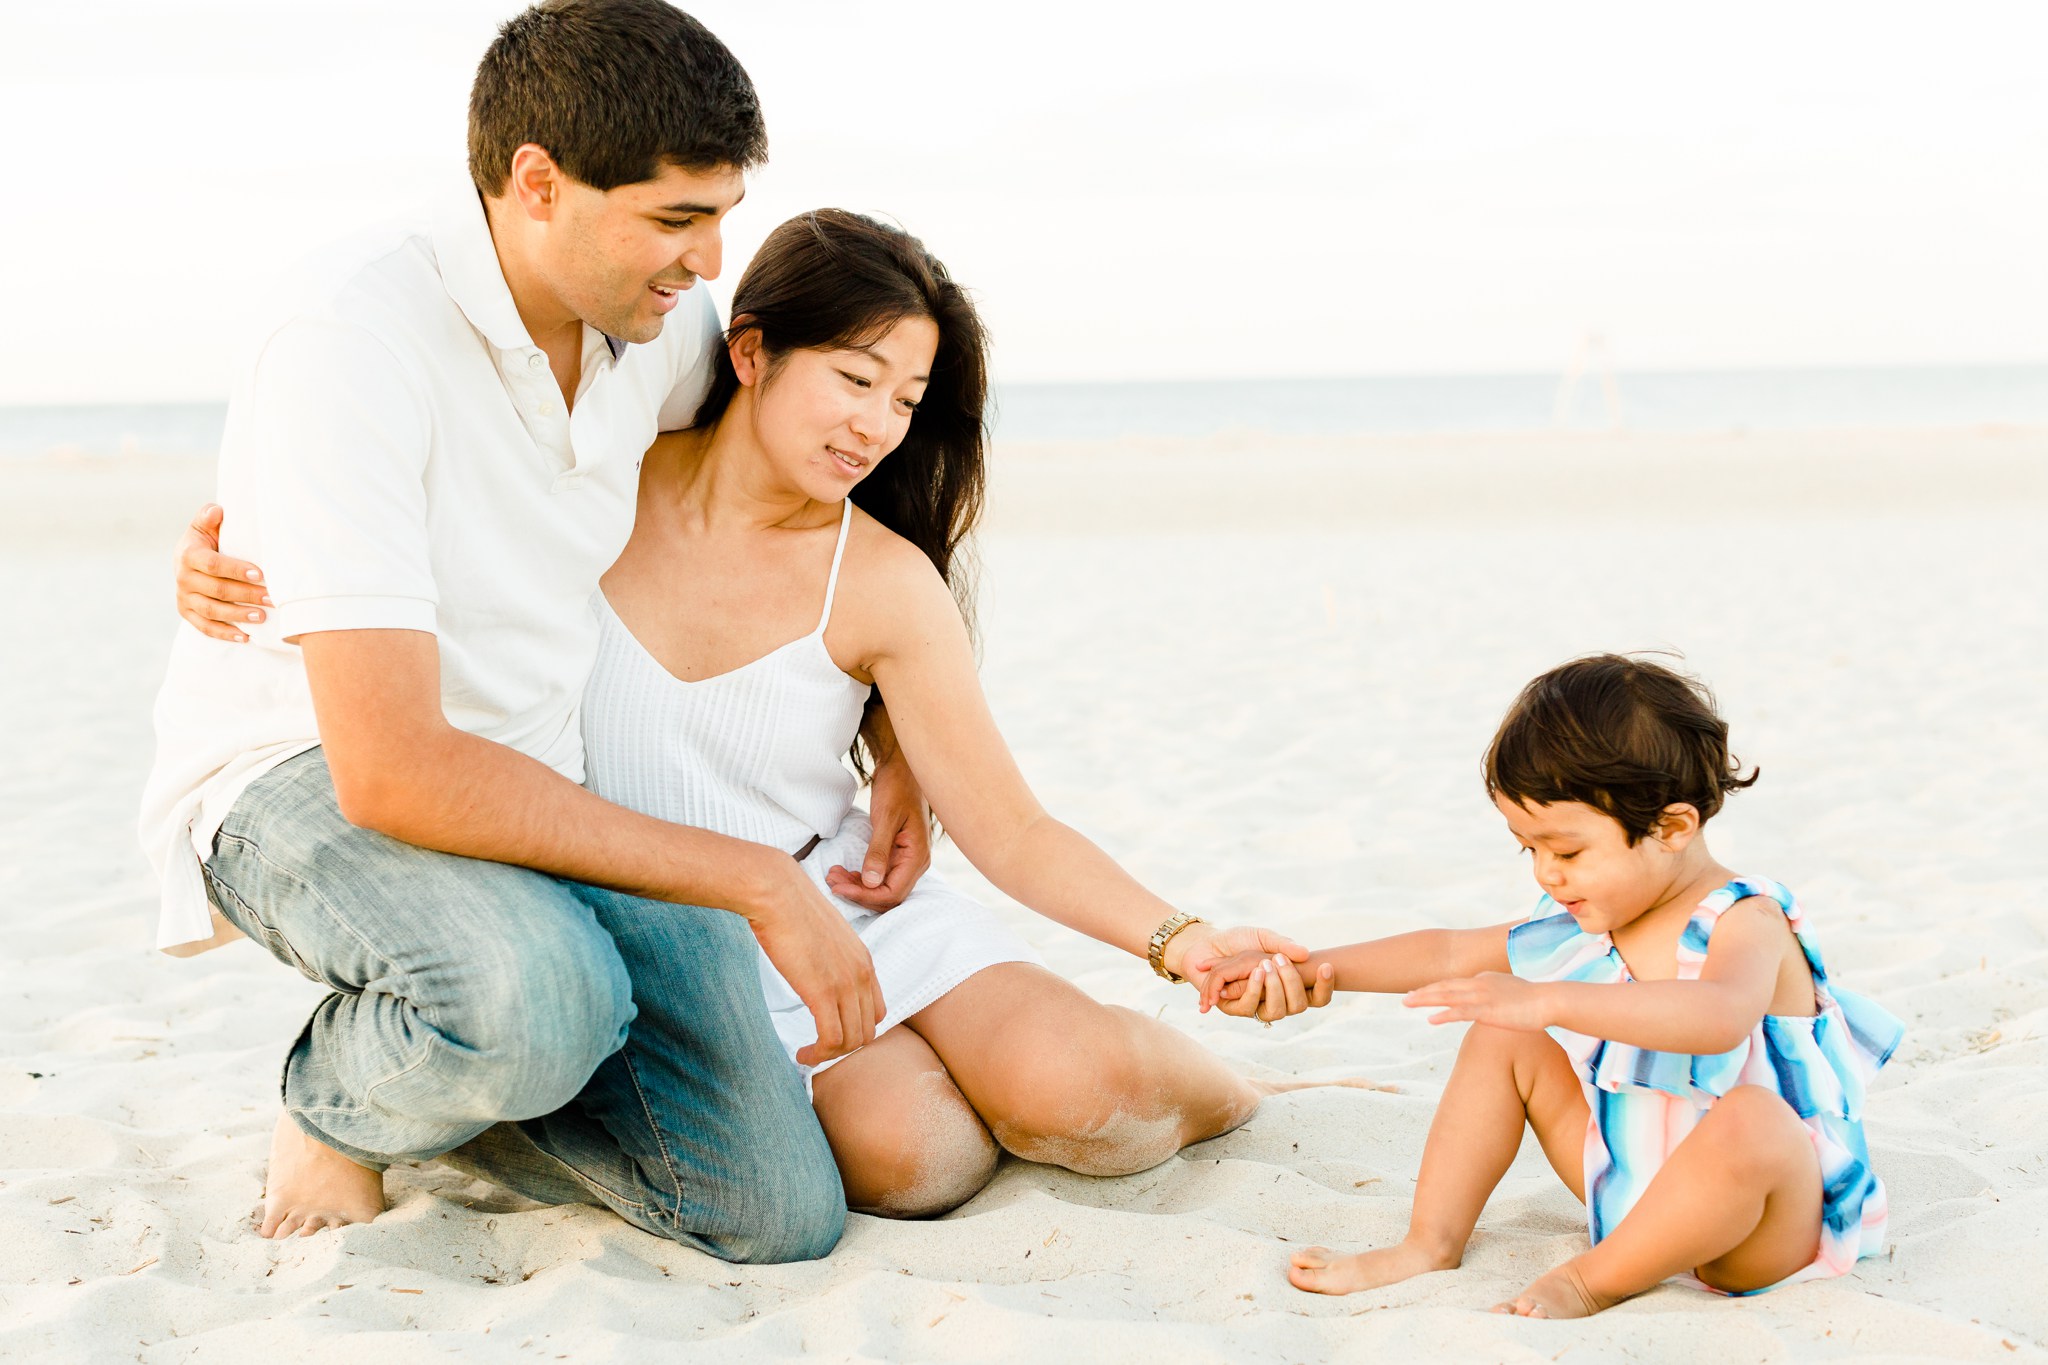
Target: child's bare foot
[[311, 1186], [1266, 1088], [1319, 1271], [1562, 1293]]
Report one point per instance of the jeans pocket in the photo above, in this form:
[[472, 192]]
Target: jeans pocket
[[243, 916]]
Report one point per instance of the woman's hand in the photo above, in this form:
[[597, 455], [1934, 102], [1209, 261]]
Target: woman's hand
[[1497, 998], [899, 850], [1273, 989], [217, 596], [1271, 980], [1212, 958]]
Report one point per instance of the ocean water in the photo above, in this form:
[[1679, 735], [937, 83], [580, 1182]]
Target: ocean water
[[1708, 400]]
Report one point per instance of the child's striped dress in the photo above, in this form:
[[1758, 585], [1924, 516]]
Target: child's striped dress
[[1644, 1103]]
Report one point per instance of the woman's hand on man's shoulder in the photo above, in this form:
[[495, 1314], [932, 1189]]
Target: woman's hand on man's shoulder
[[217, 596]]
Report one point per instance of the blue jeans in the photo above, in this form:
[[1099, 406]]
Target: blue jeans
[[571, 1043]]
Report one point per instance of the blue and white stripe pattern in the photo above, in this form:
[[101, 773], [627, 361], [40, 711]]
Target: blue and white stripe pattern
[[1644, 1103]]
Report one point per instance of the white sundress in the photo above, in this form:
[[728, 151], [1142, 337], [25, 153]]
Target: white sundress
[[758, 753]]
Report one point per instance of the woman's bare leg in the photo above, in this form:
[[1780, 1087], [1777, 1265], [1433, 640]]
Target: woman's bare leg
[[1503, 1079], [907, 1142], [1738, 1203], [1064, 1079]]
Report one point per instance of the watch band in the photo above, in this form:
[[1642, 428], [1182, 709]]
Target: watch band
[[1155, 951]]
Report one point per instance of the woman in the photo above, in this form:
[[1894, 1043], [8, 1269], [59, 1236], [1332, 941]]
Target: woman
[[796, 552]]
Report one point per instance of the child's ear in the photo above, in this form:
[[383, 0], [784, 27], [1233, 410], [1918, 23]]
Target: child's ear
[[1677, 826]]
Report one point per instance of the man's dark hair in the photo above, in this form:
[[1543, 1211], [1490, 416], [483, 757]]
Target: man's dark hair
[[1625, 736], [614, 90]]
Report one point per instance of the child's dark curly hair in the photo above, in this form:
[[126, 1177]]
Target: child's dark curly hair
[[1624, 736]]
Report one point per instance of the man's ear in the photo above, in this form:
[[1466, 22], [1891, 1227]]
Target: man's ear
[[1677, 826], [536, 183], [743, 344]]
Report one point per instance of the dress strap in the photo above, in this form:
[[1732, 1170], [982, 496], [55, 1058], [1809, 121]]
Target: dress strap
[[1692, 944], [838, 553]]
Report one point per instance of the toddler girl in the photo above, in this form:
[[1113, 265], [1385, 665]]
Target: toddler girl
[[1665, 1026]]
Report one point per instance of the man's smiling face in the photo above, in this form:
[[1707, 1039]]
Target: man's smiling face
[[620, 258]]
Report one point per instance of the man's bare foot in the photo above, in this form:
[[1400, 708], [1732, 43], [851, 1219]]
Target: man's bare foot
[[1266, 1088], [1321, 1271], [311, 1186], [1560, 1294]]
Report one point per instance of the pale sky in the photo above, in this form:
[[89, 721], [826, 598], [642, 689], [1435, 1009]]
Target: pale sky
[[1135, 191]]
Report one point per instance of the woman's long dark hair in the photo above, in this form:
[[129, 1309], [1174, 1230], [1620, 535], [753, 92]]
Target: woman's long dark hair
[[830, 278]]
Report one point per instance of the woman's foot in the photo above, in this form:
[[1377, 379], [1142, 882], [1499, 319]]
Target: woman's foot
[[1320, 1271], [311, 1186], [1560, 1294]]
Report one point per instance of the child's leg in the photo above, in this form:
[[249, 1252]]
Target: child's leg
[[1738, 1203], [1504, 1078]]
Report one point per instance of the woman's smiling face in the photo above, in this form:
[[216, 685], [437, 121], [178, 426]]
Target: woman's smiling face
[[827, 416]]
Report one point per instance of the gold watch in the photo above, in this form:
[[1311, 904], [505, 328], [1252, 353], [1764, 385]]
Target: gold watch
[[1155, 951]]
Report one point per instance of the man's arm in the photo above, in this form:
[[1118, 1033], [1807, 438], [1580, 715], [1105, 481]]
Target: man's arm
[[221, 597], [401, 769]]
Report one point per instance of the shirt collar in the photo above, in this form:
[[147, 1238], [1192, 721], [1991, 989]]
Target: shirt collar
[[468, 261]]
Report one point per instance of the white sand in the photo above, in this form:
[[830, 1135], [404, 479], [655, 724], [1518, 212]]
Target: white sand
[[1262, 673]]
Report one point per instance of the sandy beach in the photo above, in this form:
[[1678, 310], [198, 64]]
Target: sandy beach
[[1261, 673]]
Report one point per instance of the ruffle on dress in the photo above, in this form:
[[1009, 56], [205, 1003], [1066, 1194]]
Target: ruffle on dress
[[1820, 1065]]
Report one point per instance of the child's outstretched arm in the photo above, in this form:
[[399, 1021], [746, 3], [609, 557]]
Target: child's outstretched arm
[[1705, 1017], [1401, 962]]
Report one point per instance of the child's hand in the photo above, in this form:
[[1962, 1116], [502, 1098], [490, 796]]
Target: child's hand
[[1497, 998], [1226, 977], [1265, 987]]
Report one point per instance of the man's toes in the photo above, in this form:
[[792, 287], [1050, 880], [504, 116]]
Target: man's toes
[[1311, 1258]]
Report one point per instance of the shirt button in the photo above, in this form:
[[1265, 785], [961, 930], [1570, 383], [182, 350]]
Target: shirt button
[[545, 410], [536, 360]]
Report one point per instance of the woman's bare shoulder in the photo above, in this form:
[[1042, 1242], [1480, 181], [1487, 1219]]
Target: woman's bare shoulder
[[890, 589], [886, 559]]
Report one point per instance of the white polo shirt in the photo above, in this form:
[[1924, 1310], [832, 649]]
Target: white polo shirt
[[398, 457]]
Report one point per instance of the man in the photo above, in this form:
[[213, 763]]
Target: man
[[435, 457]]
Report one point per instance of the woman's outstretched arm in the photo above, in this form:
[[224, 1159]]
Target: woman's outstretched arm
[[909, 635]]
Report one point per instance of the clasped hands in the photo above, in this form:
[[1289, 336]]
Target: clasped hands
[[1258, 983]]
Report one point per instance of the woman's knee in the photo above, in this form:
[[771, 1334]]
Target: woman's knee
[[1090, 1102], [927, 1156]]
